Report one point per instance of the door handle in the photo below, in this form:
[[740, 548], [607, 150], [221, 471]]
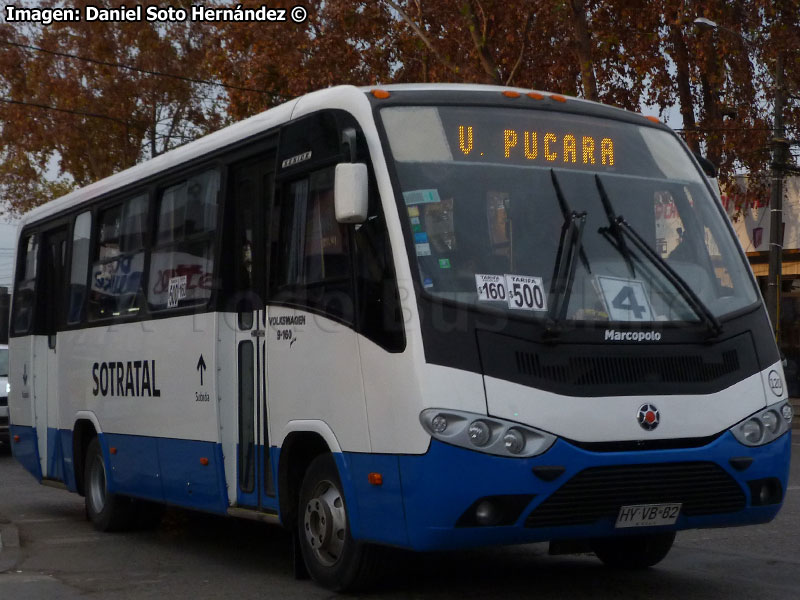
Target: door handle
[[259, 333]]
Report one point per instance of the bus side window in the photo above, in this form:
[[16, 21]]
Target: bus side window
[[182, 261], [25, 290], [116, 288], [313, 265], [81, 236]]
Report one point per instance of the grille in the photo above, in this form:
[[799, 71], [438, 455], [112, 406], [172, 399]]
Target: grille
[[592, 370], [609, 370], [703, 488]]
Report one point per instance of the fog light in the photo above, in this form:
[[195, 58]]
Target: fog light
[[439, 423], [771, 421], [764, 492], [479, 433], [787, 412], [753, 431], [514, 441], [486, 513]]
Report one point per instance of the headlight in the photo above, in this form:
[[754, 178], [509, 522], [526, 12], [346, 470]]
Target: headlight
[[479, 433], [765, 426], [485, 434]]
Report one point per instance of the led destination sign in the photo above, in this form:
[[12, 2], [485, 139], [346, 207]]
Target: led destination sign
[[542, 146], [549, 139]]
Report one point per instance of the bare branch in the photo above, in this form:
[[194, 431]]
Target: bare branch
[[421, 35], [525, 32], [486, 59]]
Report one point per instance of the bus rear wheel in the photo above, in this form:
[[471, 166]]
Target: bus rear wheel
[[332, 557], [633, 552], [106, 511]]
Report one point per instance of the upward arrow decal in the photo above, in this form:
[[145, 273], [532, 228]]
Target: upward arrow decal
[[201, 366]]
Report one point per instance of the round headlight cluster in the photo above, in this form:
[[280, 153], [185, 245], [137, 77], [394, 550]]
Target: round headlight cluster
[[485, 434], [764, 426]]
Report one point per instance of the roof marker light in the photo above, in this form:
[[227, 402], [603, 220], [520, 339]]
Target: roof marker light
[[652, 118], [381, 94], [558, 97], [511, 94], [535, 95]]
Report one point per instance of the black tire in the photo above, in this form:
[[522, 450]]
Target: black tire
[[332, 557], [633, 552], [106, 511]]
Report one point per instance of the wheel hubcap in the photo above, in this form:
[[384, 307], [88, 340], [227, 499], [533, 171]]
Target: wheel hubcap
[[97, 485], [325, 523]]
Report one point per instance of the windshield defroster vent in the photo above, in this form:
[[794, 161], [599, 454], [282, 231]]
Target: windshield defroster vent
[[584, 370]]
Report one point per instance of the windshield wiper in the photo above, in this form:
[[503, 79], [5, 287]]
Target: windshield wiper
[[568, 247], [620, 228]]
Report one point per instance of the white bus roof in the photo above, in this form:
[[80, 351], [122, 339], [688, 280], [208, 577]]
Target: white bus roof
[[339, 95]]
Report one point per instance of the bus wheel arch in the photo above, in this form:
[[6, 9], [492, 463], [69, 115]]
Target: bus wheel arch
[[83, 433], [298, 450]]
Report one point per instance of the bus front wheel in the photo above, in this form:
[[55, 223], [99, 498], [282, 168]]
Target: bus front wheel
[[633, 552], [333, 558], [106, 511]]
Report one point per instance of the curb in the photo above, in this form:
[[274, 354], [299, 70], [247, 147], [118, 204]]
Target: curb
[[9, 544]]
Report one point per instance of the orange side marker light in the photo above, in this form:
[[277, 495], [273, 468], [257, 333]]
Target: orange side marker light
[[204, 461], [381, 94], [112, 450], [375, 478]]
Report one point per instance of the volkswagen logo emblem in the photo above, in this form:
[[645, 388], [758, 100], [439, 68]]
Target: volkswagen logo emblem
[[648, 417]]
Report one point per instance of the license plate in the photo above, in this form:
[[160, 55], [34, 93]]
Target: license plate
[[648, 515]]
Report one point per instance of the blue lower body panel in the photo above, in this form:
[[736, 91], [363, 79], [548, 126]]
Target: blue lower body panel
[[440, 487], [25, 448], [181, 472]]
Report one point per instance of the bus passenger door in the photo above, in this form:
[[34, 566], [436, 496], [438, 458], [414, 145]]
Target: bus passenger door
[[45, 360], [252, 193]]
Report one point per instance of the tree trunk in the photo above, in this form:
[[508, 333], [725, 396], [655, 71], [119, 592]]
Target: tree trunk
[[583, 45]]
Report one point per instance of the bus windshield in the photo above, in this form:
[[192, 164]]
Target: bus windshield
[[518, 210]]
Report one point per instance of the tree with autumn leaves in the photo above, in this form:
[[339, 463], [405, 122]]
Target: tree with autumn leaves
[[99, 97]]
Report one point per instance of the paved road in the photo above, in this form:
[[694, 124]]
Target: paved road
[[60, 556]]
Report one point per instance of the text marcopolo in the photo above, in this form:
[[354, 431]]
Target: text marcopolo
[[632, 336], [154, 13]]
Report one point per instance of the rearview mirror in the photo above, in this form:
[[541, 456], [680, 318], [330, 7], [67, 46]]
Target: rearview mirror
[[350, 193]]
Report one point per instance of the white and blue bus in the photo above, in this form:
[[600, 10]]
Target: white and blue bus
[[421, 316]]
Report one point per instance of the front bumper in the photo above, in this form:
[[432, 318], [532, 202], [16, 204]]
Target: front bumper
[[441, 487]]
